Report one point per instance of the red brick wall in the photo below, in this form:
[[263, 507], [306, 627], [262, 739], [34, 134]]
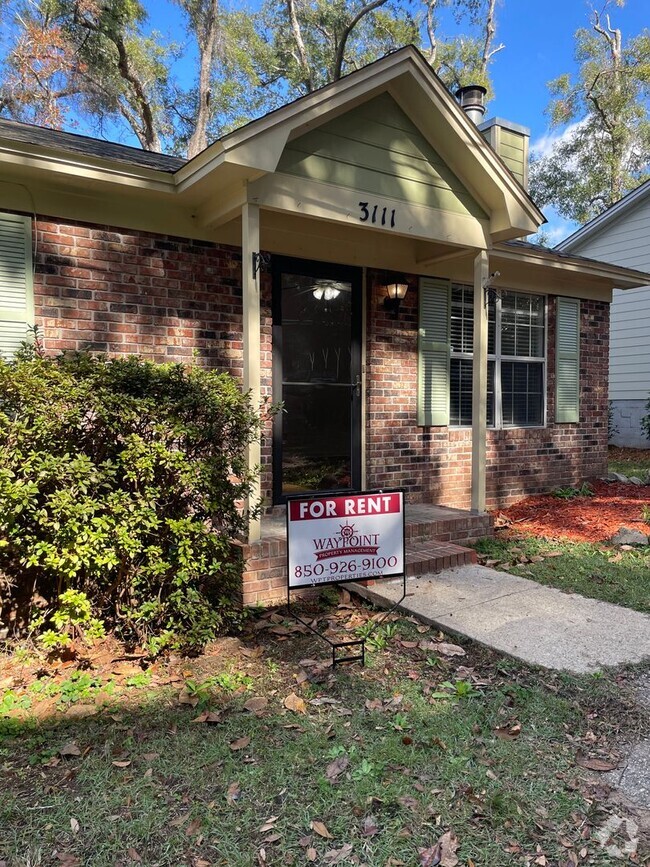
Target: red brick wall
[[434, 464], [161, 297], [173, 299]]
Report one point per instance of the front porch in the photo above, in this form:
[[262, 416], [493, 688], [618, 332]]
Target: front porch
[[436, 539]]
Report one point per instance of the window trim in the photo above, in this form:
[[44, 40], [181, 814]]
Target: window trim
[[497, 358]]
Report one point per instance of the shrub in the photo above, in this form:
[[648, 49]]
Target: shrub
[[612, 428], [121, 479], [645, 421]]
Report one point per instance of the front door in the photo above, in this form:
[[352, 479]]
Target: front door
[[317, 377]]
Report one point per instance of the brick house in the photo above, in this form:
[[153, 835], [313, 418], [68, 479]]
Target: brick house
[[281, 254]]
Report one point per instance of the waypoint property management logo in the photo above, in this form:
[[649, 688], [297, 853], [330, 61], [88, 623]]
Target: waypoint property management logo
[[346, 543]]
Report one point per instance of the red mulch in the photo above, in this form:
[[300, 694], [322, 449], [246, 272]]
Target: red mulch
[[581, 519]]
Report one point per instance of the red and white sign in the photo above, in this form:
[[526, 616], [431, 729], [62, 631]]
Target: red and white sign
[[345, 538]]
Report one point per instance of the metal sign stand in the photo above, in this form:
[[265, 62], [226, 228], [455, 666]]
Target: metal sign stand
[[343, 651], [357, 642]]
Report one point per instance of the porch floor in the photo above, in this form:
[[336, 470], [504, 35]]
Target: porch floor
[[436, 538]]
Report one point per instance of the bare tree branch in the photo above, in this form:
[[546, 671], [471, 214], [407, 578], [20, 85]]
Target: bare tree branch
[[340, 52]]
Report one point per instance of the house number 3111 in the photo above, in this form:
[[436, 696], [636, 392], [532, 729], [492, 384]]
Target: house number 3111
[[375, 214]]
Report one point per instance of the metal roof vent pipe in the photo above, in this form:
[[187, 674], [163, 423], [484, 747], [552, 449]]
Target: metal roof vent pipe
[[472, 100]]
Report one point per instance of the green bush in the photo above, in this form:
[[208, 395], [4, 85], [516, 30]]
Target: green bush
[[121, 479], [645, 421]]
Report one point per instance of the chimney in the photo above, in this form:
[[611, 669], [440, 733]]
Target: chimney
[[472, 100], [510, 141]]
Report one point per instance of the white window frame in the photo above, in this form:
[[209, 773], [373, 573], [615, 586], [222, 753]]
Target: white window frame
[[497, 358]]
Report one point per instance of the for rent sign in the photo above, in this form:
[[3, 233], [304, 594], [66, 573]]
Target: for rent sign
[[347, 538]]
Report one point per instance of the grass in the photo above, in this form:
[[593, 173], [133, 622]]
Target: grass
[[424, 743], [629, 462], [621, 577]]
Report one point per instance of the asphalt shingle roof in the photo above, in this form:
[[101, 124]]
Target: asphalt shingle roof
[[82, 144]]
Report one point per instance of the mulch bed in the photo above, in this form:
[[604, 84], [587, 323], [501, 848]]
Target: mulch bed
[[581, 519]]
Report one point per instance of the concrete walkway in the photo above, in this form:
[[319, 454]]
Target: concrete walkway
[[538, 624]]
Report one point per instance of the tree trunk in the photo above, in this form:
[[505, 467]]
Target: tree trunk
[[207, 41]]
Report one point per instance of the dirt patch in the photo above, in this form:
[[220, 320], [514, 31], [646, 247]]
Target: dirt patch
[[582, 519]]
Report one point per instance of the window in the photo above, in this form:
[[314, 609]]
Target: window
[[516, 358]]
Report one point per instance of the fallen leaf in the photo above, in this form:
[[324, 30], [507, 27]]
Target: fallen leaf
[[68, 860], [211, 717], [70, 749], [240, 744], [369, 827], [443, 854], [124, 764], [409, 802], [151, 757], [449, 649], [269, 825], [134, 855], [233, 793], [256, 704], [595, 764], [295, 703], [180, 820], [185, 697], [336, 768], [193, 828], [508, 732], [311, 854], [74, 825], [335, 856], [320, 829]]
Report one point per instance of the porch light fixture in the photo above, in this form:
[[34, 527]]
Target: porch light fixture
[[489, 292], [396, 290], [326, 290]]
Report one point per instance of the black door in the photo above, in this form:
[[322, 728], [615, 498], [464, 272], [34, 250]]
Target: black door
[[317, 377]]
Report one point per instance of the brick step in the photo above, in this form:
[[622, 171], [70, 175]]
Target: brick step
[[423, 558], [459, 531]]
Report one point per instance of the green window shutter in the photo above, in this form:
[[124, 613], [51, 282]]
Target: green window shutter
[[16, 282], [433, 352], [567, 363]]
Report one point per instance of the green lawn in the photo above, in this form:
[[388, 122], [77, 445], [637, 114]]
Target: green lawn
[[630, 462], [622, 577], [357, 766]]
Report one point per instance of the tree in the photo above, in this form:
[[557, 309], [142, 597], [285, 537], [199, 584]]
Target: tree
[[606, 150], [99, 59], [86, 56], [314, 42], [463, 60]]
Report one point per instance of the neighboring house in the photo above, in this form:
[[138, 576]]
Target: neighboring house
[[621, 235], [272, 255]]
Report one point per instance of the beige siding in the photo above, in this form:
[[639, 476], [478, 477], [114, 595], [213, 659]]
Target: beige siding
[[626, 242], [376, 149]]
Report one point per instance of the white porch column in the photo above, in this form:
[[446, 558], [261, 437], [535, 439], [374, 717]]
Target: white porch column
[[479, 382], [252, 344]]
